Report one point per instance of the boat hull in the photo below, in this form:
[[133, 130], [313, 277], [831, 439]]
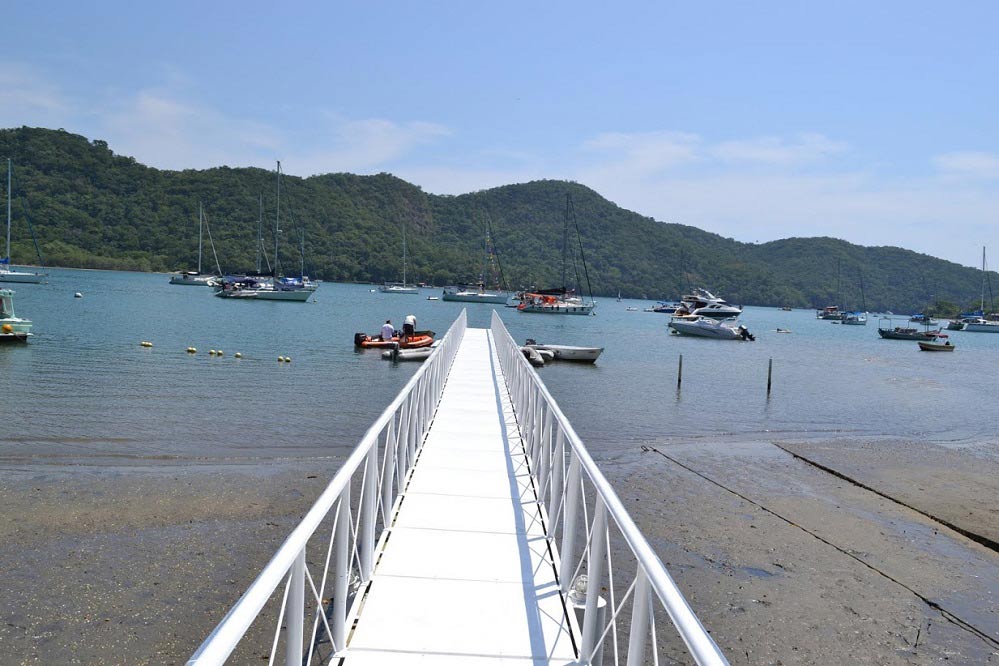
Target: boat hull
[[473, 297], [904, 334], [556, 309], [982, 328], [417, 341], [699, 330], [21, 278], [404, 290], [570, 353], [193, 281], [935, 346]]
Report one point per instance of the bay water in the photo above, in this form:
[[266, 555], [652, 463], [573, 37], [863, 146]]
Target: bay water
[[84, 392]]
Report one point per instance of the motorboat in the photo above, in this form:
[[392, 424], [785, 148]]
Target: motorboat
[[830, 313], [12, 327], [568, 352], [939, 342], [922, 318], [665, 307], [415, 341], [854, 319], [702, 302], [708, 327], [419, 354]]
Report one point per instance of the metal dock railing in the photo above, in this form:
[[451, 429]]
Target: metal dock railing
[[469, 524]]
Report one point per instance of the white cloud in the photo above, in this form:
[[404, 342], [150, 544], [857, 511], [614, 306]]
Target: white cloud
[[778, 151], [27, 98], [969, 165], [644, 154]]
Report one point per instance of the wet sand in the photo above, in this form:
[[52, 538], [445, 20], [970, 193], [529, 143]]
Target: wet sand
[[784, 562]]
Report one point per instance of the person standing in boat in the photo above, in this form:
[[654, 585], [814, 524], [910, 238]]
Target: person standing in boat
[[388, 331], [408, 327]]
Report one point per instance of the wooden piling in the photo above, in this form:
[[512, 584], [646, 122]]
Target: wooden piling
[[770, 374], [679, 373]]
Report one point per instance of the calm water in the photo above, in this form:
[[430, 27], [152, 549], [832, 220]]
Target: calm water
[[84, 391]]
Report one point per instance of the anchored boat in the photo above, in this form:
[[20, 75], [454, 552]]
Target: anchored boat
[[706, 327], [12, 327]]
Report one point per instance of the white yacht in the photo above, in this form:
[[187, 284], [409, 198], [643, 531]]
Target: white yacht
[[197, 278], [708, 327], [705, 304]]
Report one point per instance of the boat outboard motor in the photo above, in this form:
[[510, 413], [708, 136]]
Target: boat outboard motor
[[745, 334], [359, 338], [531, 341]]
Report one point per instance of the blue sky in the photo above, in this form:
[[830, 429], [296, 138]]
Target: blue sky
[[872, 122]]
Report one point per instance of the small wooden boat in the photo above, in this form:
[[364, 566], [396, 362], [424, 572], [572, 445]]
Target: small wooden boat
[[415, 341], [939, 342]]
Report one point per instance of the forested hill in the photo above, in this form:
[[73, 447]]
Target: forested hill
[[91, 208]]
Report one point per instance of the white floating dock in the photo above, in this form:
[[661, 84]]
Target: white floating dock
[[465, 576]]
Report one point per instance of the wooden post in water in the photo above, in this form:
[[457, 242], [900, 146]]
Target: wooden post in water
[[770, 374], [679, 374]]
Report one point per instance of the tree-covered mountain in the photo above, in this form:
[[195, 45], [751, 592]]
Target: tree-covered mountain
[[90, 208]]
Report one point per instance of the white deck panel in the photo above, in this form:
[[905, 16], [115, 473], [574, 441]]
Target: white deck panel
[[465, 577]]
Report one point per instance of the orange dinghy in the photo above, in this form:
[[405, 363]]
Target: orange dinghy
[[417, 340]]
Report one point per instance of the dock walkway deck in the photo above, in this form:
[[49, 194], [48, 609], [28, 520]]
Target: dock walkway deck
[[465, 575]]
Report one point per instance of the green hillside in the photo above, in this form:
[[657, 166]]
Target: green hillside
[[90, 208]]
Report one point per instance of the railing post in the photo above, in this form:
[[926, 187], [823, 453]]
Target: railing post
[[546, 454], [295, 613], [567, 551], [341, 569], [639, 620], [594, 574], [555, 496], [366, 549], [389, 478]]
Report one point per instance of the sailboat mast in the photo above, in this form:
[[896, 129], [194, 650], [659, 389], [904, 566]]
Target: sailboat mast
[[984, 275], [404, 283], [201, 228], [277, 219], [260, 231], [8, 211], [565, 238]]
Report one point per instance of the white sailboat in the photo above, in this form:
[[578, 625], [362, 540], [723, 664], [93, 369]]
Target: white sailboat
[[981, 324], [477, 293], [196, 278], [400, 287], [6, 273]]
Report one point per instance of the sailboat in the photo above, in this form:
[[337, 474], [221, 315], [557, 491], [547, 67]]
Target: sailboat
[[477, 293], [980, 324], [859, 317], [6, 274], [561, 300], [192, 278], [274, 288], [400, 287]]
